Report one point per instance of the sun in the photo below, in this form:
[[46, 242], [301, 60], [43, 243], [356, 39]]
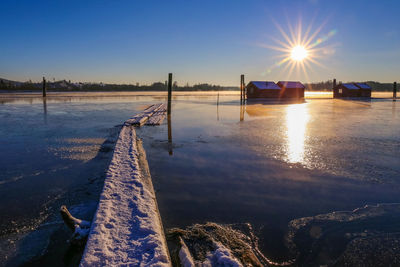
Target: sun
[[298, 53], [299, 49]]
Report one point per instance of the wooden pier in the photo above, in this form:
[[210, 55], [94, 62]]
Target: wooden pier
[[127, 228], [152, 115]]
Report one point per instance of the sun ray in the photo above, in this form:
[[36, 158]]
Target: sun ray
[[299, 32], [317, 31], [277, 48], [292, 34], [287, 38], [285, 67], [306, 34], [283, 61], [292, 66], [318, 63], [288, 46], [302, 64]]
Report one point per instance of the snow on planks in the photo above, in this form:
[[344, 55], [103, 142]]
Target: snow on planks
[[158, 117], [141, 118], [127, 228]]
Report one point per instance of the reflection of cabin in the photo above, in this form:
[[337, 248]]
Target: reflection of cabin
[[261, 89], [352, 90]]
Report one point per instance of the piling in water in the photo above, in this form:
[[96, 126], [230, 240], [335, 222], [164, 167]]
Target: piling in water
[[169, 114], [169, 93], [242, 94], [44, 87]]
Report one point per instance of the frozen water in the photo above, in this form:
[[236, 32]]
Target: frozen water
[[53, 152], [265, 163]]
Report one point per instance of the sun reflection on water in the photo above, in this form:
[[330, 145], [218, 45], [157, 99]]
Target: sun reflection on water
[[296, 122]]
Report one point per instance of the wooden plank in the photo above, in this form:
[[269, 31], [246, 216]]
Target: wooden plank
[[158, 117], [127, 229], [141, 118]]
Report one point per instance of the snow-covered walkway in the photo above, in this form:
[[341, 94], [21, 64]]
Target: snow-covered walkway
[[127, 228]]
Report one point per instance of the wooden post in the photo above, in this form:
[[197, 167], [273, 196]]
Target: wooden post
[[169, 114], [169, 93], [44, 87], [242, 96], [244, 88], [333, 88], [394, 91]]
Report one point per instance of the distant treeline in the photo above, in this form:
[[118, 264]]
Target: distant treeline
[[64, 85], [158, 86], [68, 86], [328, 85]]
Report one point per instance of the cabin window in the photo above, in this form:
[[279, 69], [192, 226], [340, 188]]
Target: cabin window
[[340, 90], [251, 90]]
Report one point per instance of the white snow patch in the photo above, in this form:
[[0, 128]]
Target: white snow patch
[[126, 229], [222, 256], [266, 85], [363, 86], [141, 118], [350, 86], [291, 85], [158, 117], [184, 255]]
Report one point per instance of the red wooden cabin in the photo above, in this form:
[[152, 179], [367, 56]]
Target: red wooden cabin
[[291, 89], [261, 89], [351, 90]]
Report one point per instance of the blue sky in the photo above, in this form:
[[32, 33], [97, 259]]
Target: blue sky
[[199, 41]]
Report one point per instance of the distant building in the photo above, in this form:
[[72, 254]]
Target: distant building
[[352, 90], [267, 89]]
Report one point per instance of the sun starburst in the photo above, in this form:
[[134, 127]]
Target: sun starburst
[[299, 50], [298, 53]]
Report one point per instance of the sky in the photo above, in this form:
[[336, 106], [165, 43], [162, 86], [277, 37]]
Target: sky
[[207, 41]]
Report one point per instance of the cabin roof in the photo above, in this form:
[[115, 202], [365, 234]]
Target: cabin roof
[[265, 85], [350, 86], [363, 85], [290, 84]]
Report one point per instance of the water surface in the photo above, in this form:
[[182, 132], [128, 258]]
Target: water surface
[[267, 163], [263, 163]]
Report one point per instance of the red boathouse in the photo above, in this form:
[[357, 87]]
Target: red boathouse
[[351, 90], [268, 89]]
